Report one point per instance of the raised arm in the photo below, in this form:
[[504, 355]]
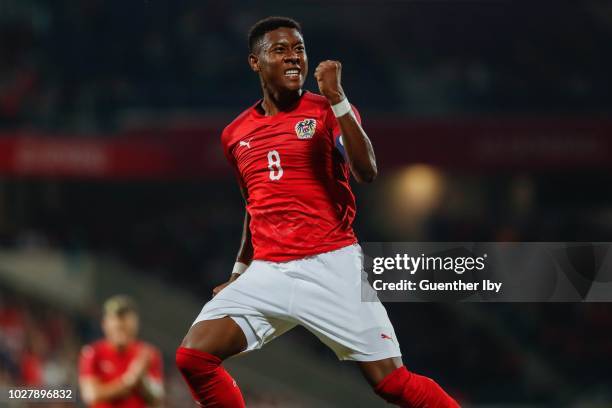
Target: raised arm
[[359, 150]]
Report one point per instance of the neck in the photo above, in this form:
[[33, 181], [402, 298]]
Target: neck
[[120, 346], [275, 101]]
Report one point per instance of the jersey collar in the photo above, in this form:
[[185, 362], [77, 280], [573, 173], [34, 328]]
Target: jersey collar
[[259, 115]]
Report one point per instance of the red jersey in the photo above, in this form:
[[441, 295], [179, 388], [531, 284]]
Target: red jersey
[[293, 167], [102, 361]]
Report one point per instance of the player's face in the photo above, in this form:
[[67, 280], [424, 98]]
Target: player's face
[[281, 60], [120, 329]]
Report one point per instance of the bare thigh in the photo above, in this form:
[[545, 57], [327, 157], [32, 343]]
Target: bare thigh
[[376, 371], [222, 338]]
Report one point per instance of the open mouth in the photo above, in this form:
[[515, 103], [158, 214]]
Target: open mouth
[[292, 73]]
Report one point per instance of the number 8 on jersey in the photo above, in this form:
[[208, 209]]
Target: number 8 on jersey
[[274, 164]]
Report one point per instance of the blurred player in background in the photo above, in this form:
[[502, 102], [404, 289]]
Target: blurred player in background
[[299, 262], [120, 371]]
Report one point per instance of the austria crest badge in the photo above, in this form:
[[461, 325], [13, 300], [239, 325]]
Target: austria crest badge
[[305, 129]]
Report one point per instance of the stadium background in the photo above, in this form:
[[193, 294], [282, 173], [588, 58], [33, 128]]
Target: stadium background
[[490, 121]]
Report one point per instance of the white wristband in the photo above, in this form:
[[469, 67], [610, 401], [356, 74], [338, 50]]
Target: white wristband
[[239, 268], [342, 108]]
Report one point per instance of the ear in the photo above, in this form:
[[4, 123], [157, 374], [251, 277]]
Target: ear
[[254, 62]]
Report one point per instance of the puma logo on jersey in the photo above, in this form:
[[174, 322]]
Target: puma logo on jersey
[[247, 143], [385, 337], [305, 129]]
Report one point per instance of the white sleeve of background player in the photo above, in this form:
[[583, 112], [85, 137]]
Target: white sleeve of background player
[[337, 132]]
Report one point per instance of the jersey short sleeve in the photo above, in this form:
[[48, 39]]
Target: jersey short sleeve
[[226, 146]]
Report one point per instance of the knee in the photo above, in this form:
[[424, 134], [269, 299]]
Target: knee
[[222, 338], [201, 339], [391, 388], [194, 342], [181, 358], [190, 360]]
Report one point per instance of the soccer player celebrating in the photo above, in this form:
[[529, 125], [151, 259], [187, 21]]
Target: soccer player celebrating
[[299, 261], [120, 371]]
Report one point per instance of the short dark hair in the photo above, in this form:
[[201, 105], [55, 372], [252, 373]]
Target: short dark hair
[[260, 28]]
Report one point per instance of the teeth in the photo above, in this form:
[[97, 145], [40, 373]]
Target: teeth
[[292, 72]]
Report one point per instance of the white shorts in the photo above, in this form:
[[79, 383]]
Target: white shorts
[[321, 293]]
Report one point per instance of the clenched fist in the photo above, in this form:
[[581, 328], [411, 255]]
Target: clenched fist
[[328, 75]]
